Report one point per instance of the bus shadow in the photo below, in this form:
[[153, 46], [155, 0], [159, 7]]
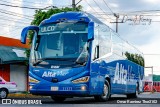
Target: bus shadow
[[85, 100]]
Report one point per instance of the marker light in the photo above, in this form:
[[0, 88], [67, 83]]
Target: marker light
[[81, 80], [33, 80]]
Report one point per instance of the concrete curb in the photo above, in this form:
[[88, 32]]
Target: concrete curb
[[146, 93], [150, 93]]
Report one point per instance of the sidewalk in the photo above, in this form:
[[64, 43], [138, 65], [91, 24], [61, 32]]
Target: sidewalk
[[147, 93], [25, 95], [28, 95], [150, 93]]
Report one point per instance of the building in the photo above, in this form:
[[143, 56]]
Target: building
[[13, 62], [152, 83]]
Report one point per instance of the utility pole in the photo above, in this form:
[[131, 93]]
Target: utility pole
[[117, 16], [74, 4]]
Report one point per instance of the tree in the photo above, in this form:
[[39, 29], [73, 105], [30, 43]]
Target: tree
[[136, 58], [40, 15]]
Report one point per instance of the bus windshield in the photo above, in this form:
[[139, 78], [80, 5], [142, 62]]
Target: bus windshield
[[61, 43]]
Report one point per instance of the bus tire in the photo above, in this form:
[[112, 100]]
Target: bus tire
[[134, 95], [58, 99], [106, 93]]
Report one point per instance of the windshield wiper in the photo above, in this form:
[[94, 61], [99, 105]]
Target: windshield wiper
[[39, 61], [57, 59], [81, 63]]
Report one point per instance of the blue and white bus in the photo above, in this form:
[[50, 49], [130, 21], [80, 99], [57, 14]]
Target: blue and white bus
[[75, 54]]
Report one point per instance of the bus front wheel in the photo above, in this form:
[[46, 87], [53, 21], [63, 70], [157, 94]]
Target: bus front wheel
[[58, 99], [106, 93]]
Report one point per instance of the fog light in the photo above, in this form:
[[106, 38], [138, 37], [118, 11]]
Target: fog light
[[83, 88], [30, 87]]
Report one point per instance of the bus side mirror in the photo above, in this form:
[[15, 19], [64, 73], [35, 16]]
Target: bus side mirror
[[90, 31], [25, 32]]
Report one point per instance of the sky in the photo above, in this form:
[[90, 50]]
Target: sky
[[144, 35]]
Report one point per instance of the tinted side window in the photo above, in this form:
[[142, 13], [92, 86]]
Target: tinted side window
[[117, 44], [104, 40]]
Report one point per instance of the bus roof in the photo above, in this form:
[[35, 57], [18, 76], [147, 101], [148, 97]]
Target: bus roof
[[77, 16]]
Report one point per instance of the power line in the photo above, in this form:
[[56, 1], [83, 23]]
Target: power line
[[74, 4], [116, 15], [16, 3], [8, 25], [101, 13], [98, 15], [46, 4], [95, 10], [125, 13], [20, 6], [14, 18], [10, 31], [151, 54], [16, 21], [141, 11], [101, 8], [15, 14], [33, 2], [90, 6], [149, 15], [108, 6]]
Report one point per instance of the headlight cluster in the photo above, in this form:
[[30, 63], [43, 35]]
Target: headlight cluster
[[81, 80], [33, 80]]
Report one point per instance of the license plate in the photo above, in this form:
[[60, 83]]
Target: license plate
[[54, 88]]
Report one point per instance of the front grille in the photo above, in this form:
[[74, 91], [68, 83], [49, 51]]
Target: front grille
[[54, 80]]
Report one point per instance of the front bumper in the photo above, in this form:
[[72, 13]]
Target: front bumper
[[13, 90], [60, 89]]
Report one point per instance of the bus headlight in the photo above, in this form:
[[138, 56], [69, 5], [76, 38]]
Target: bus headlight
[[33, 80], [81, 80]]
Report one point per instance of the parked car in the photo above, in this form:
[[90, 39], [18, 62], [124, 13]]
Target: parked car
[[6, 88]]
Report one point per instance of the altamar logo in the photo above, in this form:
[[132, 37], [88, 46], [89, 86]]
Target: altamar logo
[[54, 73], [120, 76]]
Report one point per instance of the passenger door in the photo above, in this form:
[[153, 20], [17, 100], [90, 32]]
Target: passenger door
[[94, 81]]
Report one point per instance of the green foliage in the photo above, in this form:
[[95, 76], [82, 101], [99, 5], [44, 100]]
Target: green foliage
[[136, 58], [40, 15], [30, 37]]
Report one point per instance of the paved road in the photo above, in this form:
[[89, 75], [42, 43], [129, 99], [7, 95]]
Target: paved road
[[116, 101]]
